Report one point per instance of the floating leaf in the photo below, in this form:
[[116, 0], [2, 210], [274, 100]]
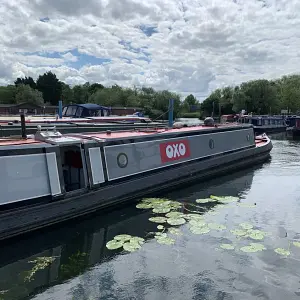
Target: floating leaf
[[144, 205], [131, 246], [247, 205], [158, 219], [206, 200], [224, 199], [161, 210], [297, 244], [165, 240], [194, 216], [114, 244], [282, 251], [239, 232], [227, 246], [253, 247], [246, 226], [199, 230], [175, 231], [197, 223], [160, 234], [123, 237], [176, 221], [156, 200], [256, 234], [175, 205], [175, 214], [160, 227], [136, 239], [216, 226]]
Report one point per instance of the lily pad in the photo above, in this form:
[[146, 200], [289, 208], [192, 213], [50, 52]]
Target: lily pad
[[114, 244], [175, 231], [131, 246], [206, 200], [161, 210], [165, 240], [156, 200], [159, 220], [175, 205], [160, 227], [297, 244], [256, 234], [227, 246], [123, 237], [199, 230], [224, 199], [193, 217], [136, 239], [176, 221], [216, 226], [282, 251], [144, 205], [197, 223], [239, 232], [175, 214], [246, 226], [253, 247]]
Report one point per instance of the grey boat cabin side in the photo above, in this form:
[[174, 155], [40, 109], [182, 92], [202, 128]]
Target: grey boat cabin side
[[51, 177]]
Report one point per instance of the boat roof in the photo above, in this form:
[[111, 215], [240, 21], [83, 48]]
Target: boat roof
[[89, 106]]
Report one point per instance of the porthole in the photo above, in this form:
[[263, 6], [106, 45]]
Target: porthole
[[122, 160], [211, 144], [248, 137]]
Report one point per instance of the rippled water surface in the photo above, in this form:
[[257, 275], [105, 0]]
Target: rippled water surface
[[195, 267]]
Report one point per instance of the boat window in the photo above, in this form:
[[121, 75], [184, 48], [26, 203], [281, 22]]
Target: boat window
[[64, 111], [79, 112], [71, 111], [266, 122], [72, 167]]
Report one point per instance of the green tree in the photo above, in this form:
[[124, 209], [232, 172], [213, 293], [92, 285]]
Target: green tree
[[50, 87], [27, 94], [67, 95], [8, 94], [27, 81]]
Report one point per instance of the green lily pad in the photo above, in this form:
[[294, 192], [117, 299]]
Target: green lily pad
[[256, 234], [114, 244], [144, 205], [160, 227], [193, 217], [197, 223], [224, 199], [175, 204], [159, 220], [123, 237], [227, 246], [216, 226], [131, 246], [253, 247], [282, 251], [175, 231], [136, 239], [238, 232], [174, 214], [199, 230], [161, 210], [206, 200], [160, 234], [165, 240], [297, 244], [246, 226], [176, 221]]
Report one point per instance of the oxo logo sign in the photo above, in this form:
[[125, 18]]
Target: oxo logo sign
[[176, 150]]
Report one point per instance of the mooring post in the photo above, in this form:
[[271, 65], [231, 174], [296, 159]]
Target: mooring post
[[171, 108], [60, 109], [23, 126]]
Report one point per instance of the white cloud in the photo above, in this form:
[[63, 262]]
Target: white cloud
[[195, 47]]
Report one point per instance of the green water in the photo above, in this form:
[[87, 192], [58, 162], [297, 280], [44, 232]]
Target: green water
[[194, 267]]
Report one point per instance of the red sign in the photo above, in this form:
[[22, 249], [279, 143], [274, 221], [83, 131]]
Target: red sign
[[176, 150]]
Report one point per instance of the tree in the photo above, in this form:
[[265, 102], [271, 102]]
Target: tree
[[50, 87], [67, 94], [8, 94], [27, 81], [27, 94]]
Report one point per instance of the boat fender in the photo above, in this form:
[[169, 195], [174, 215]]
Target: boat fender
[[108, 132]]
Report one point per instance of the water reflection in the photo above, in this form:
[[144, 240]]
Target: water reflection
[[80, 246]]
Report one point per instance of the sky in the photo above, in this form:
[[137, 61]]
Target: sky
[[187, 46]]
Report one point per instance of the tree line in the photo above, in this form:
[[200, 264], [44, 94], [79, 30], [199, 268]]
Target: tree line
[[257, 96]]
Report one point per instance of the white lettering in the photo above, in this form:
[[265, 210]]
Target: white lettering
[[175, 150]]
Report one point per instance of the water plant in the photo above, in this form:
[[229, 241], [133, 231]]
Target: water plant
[[128, 242], [282, 251], [253, 247]]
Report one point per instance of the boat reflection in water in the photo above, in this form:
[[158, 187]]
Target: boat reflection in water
[[80, 245]]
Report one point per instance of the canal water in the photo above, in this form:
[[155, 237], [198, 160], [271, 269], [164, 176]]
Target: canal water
[[72, 261]]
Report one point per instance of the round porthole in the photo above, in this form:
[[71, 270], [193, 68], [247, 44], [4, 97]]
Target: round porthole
[[122, 160], [211, 144], [248, 137]]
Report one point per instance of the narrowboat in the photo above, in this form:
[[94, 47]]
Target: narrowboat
[[49, 177], [264, 124], [293, 127]]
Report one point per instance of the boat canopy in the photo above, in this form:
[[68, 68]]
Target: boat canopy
[[85, 110]]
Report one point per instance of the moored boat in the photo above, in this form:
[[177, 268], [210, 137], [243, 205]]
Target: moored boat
[[52, 177], [293, 127]]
